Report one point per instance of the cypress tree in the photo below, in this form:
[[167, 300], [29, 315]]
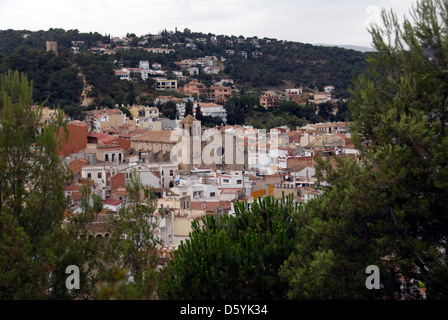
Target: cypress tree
[[188, 108]]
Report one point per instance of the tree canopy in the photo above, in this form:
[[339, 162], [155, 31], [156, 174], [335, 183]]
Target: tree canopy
[[390, 208], [233, 257]]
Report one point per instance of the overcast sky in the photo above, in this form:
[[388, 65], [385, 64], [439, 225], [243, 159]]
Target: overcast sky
[[338, 22]]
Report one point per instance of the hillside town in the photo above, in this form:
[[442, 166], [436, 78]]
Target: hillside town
[[182, 78], [103, 150], [188, 166]]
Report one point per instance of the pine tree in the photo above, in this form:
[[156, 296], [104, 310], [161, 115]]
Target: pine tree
[[32, 201], [36, 244], [132, 245], [233, 257], [391, 208]]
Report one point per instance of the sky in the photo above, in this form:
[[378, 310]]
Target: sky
[[342, 22]]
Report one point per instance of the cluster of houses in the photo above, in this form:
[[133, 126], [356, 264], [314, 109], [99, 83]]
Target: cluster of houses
[[193, 170], [144, 42], [211, 65], [271, 99], [190, 67], [215, 95], [221, 90]]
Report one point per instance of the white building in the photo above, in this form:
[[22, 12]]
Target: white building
[[213, 185], [211, 70], [98, 173], [159, 50], [294, 92], [156, 175], [123, 74], [214, 110], [144, 65], [112, 205], [193, 71], [156, 66], [192, 186]]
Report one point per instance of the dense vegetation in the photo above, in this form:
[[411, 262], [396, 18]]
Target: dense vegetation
[[389, 208], [39, 239], [69, 79], [246, 249]]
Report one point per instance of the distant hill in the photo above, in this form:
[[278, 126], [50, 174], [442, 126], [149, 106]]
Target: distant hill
[[349, 47], [358, 48], [255, 64]]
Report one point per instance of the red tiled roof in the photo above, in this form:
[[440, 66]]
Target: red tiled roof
[[76, 165], [124, 143], [112, 202], [78, 123], [106, 139], [72, 188], [209, 205], [98, 135]]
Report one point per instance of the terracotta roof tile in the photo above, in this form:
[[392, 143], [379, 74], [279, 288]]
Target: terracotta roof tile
[[154, 136], [112, 202]]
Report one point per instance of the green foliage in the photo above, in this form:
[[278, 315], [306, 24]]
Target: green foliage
[[61, 77], [188, 108], [234, 257], [391, 209], [132, 245], [53, 76], [199, 115], [238, 106], [168, 109], [35, 247], [37, 244]]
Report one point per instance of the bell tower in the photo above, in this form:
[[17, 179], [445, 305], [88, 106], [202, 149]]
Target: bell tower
[[191, 130]]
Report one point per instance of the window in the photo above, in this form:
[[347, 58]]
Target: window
[[99, 175], [225, 180], [239, 182], [171, 173], [89, 175], [212, 194]]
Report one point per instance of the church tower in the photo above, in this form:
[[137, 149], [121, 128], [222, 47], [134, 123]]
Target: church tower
[[191, 131]]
